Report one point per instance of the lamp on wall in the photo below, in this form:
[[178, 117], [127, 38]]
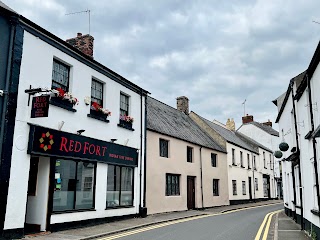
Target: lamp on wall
[[80, 131]]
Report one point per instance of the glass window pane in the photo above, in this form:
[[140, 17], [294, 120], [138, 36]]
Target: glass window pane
[[65, 185], [85, 183], [126, 186], [113, 186]]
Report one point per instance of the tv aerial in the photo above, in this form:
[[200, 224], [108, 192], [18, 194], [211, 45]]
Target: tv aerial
[[88, 11]]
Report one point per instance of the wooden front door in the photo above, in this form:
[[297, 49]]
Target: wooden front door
[[190, 192]]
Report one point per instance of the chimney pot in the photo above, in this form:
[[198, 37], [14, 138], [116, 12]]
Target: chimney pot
[[79, 34], [269, 123], [183, 104], [231, 124]]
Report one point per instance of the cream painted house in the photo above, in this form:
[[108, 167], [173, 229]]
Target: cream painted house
[[186, 168], [249, 170]]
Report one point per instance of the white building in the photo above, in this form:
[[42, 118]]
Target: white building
[[298, 119], [250, 174], [79, 163], [264, 134]]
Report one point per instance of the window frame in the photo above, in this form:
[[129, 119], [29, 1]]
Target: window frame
[[120, 190], [234, 187], [241, 159], [248, 159], [233, 157], [264, 160], [93, 80], [214, 161], [189, 154], [166, 155], [254, 163], [244, 188], [271, 164], [126, 111], [215, 187], [177, 186], [66, 88], [256, 184]]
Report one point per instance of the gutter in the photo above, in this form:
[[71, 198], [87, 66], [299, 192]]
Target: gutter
[[201, 180], [298, 150]]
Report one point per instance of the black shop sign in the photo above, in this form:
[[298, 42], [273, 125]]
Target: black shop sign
[[53, 143], [40, 106]]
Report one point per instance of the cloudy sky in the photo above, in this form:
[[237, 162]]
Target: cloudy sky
[[217, 53]]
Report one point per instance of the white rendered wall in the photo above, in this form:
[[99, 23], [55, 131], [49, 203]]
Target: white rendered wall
[[36, 70]]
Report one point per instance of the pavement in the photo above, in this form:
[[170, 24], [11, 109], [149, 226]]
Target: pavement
[[283, 227]]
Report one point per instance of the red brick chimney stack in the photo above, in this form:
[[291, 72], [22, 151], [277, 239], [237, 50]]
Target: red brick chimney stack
[[269, 123], [82, 42], [247, 119]]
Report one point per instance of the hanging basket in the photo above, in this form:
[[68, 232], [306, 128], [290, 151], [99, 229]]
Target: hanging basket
[[283, 146], [278, 154]]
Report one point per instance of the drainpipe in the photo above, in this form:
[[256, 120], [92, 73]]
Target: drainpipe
[[201, 178], [254, 181], [140, 174], [314, 142], [298, 150], [5, 188], [145, 154]]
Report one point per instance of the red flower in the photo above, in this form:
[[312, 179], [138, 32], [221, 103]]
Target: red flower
[[96, 106], [61, 92]]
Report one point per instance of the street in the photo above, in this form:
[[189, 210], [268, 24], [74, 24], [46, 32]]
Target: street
[[233, 225]]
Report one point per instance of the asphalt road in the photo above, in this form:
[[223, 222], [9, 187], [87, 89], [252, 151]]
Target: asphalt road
[[239, 225]]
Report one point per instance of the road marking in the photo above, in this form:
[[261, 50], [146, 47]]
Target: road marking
[[147, 228], [266, 222]]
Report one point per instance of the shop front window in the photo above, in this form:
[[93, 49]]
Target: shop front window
[[119, 186], [74, 185]]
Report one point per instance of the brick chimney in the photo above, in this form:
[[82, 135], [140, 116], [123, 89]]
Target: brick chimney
[[231, 124], [183, 104], [247, 119], [269, 123], [82, 42]]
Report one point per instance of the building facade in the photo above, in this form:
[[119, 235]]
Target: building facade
[[186, 169], [65, 157], [250, 175]]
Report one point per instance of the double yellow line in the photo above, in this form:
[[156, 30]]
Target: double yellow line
[[267, 219]]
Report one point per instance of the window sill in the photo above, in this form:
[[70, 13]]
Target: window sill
[[119, 207], [173, 196], [299, 207], [233, 164], [242, 167], [125, 127], [74, 211], [315, 212], [286, 204], [265, 168], [98, 118], [61, 105], [249, 168], [216, 195]]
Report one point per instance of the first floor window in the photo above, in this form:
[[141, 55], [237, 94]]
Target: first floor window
[[60, 75], [241, 159], [97, 92], [213, 160], [164, 148], [74, 185], [215, 187], [256, 183], [119, 186], [234, 187], [189, 154], [124, 105], [233, 157], [248, 158], [244, 191], [172, 184]]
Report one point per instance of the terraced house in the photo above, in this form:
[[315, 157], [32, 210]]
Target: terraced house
[[65, 159], [186, 168]]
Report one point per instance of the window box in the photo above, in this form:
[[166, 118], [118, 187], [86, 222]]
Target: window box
[[98, 115], [62, 103], [125, 124]]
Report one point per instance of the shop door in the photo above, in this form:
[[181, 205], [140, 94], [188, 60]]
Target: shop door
[[250, 188], [190, 192]]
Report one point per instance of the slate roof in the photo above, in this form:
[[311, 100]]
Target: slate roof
[[169, 121], [252, 142], [265, 128], [228, 135]]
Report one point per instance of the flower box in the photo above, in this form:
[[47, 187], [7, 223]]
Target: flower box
[[98, 115], [63, 103], [63, 99]]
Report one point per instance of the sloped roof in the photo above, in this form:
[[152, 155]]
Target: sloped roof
[[228, 135], [252, 142], [167, 120], [265, 128], [2, 5]]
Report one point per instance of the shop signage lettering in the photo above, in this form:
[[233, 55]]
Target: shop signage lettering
[[40, 106], [49, 142]]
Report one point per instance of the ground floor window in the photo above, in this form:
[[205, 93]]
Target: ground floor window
[[234, 187], [74, 185], [119, 186], [256, 183], [172, 184], [265, 187], [244, 191]]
